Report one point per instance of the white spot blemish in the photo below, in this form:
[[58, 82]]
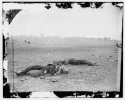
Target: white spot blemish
[[43, 94]]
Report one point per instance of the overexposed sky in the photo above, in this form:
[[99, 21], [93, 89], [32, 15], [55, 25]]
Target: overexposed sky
[[88, 22]]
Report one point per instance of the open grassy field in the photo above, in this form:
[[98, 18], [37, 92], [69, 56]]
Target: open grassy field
[[80, 78]]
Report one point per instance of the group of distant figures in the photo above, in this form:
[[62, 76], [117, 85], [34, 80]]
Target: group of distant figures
[[117, 44]]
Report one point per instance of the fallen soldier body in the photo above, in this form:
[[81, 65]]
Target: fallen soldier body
[[80, 62], [43, 70]]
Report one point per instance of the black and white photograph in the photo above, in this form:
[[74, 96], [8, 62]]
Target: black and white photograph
[[63, 46]]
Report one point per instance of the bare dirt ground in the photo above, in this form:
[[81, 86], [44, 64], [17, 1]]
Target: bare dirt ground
[[80, 78]]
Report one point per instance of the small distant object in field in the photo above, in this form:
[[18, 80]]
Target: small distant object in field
[[100, 55], [54, 80], [110, 56], [27, 42], [119, 45], [42, 77], [23, 79], [113, 60], [97, 55]]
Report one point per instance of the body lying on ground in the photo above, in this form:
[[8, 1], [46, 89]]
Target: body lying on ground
[[73, 61], [80, 62], [49, 69]]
